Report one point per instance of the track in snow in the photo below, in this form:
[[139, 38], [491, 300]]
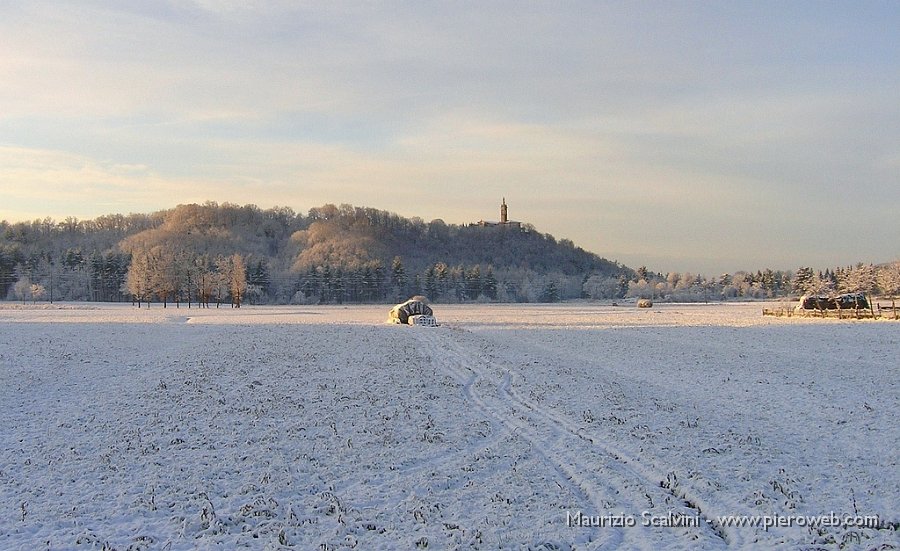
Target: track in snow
[[607, 480]]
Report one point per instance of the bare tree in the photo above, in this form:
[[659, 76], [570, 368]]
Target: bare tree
[[138, 280], [22, 289], [204, 281], [181, 279], [37, 292], [162, 273], [222, 278], [238, 280]]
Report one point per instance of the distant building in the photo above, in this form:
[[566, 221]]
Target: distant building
[[504, 219]]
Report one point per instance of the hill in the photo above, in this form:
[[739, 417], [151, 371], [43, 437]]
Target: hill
[[333, 254]]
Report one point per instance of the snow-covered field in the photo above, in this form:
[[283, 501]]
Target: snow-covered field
[[507, 427]]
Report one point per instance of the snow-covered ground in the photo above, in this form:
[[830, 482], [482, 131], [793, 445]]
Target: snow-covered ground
[[510, 426]]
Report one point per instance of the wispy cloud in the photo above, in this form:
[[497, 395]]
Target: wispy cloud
[[657, 132]]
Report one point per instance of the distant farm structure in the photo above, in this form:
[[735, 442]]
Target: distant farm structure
[[845, 306]]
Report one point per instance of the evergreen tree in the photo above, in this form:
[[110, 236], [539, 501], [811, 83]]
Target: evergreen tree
[[324, 276], [260, 277], [804, 280], [622, 290], [309, 283], [767, 280], [550, 293], [369, 287], [442, 273], [379, 274], [8, 263], [430, 283], [472, 283], [338, 285], [398, 279], [642, 273], [490, 284], [417, 285], [458, 283]]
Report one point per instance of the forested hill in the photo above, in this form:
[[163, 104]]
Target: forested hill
[[329, 255]]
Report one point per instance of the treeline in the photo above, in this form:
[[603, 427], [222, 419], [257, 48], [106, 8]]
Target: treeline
[[165, 275], [345, 254], [333, 254], [72, 259], [862, 278], [440, 282]]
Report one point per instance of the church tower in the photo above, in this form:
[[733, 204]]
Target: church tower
[[503, 217]]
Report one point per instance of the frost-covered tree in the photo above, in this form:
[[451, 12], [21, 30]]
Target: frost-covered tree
[[768, 282], [260, 277], [163, 274], [489, 288], [640, 289], [599, 287], [37, 292], [820, 285], [622, 291], [238, 282], [860, 279], [673, 279], [430, 282], [222, 278], [888, 277], [204, 280], [139, 279], [804, 281], [22, 289], [442, 278], [472, 282], [642, 273], [550, 293], [398, 279]]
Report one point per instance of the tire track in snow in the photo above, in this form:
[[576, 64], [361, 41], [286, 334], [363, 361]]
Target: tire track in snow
[[569, 469], [644, 468], [580, 459], [625, 465]]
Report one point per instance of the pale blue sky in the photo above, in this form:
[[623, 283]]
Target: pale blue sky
[[700, 136]]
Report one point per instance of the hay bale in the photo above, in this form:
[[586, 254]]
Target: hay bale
[[402, 312], [645, 303]]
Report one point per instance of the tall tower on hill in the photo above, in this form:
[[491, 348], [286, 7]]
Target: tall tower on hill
[[504, 219]]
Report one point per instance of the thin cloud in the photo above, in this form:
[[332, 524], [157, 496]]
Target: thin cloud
[[625, 127]]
